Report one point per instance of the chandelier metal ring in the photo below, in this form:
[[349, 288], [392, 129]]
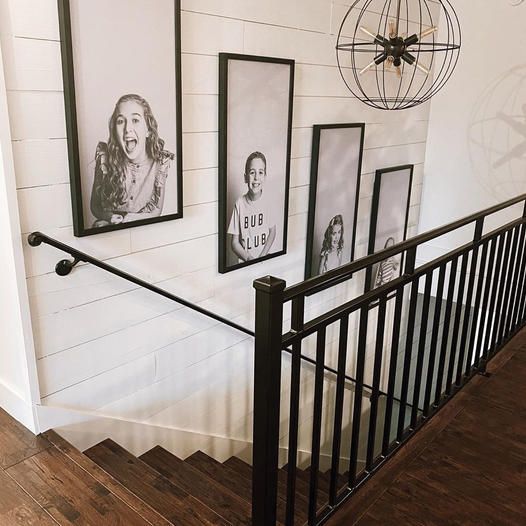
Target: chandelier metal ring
[[400, 50]]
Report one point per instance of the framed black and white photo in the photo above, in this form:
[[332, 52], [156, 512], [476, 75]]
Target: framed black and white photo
[[334, 192], [121, 63], [389, 218], [255, 127]]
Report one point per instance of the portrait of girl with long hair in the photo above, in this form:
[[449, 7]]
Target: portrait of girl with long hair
[[131, 168], [332, 246]]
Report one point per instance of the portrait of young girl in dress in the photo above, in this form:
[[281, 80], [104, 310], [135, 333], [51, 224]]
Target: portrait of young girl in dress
[[387, 269], [332, 246], [131, 168]]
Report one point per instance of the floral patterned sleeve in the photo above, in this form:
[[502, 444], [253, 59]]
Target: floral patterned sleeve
[[101, 169], [157, 199]]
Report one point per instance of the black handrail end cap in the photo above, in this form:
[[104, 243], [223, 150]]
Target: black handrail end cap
[[35, 239], [270, 284], [64, 267]]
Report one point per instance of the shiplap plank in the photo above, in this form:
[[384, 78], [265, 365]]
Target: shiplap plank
[[200, 151], [41, 162], [45, 207], [106, 387], [198, 221], [36, 115], [32, 19], [200, 186], [36, 65], [116, 349], [312, 15], [208, 35]]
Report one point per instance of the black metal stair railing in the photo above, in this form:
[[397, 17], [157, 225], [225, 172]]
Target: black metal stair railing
[[426, 333]]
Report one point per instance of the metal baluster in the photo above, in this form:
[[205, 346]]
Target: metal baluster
[[508, 324], [338, 410], [392, 370], [358, 395], [509, 272], [492, 302], [316, 425], [267, 395], [522, 307], [407, 358], [476, 324], [469, 295], [445, 330], [298, 312], [521, 264], [421, 347], [485, 315], [500, 297], [456, 324], [378, 354], [434, 338]]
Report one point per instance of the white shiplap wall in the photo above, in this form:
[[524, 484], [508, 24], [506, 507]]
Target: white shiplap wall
[[101, 343]]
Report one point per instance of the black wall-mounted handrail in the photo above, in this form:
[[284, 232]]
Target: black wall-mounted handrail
[[65, 266]]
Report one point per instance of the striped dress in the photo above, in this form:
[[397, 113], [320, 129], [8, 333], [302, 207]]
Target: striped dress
[[386, 271]]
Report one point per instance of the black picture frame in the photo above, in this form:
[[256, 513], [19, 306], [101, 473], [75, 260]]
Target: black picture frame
[[343, 157], [397, 216], [276, 104], [80, 210]]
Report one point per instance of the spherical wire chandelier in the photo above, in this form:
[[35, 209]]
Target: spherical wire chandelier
[[388, 54]]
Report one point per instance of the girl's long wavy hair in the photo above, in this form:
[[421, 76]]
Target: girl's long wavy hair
[[114, 187], [327, 244]]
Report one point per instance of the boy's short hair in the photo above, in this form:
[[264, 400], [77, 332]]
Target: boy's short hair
[[251, 157]]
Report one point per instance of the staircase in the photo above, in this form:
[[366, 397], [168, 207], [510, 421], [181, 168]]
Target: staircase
[[155, 488]]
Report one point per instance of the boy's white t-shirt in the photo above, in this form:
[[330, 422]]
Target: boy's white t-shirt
[[251, 222]]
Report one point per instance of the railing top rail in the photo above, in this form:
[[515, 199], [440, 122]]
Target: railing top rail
[[335, 276], [371, 297]]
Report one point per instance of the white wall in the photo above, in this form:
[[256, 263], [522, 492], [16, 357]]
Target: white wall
[[476, 159], [18, 386], [103, 345]]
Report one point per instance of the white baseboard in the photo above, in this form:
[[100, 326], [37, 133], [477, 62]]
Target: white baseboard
[[18, 408]]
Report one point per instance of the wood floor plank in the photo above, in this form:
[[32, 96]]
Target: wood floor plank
[[467, 465], [170, 501], [221, 474], [17, 508], [68, 493], [224, 502], [121, 492], [301, 504], [16, 442], [229, 479]]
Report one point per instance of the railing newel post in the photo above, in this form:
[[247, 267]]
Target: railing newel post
[[267, 387]]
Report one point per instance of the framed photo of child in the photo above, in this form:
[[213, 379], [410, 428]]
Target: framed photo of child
[[255, 128], [121, 63], [389, 218], [336, 166]]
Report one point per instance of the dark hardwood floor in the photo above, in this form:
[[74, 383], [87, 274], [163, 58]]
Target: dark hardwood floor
[[467, 466], [45, 481]]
